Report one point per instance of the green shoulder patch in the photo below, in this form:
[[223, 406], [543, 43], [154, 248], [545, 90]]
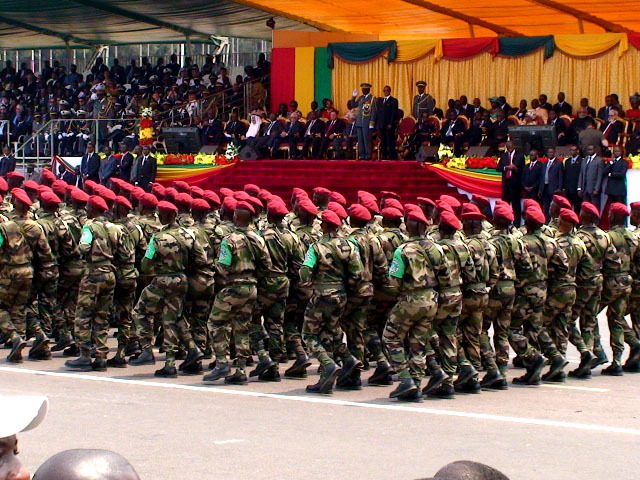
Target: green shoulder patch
[[151, 249], [310, 259], [87, 235], [397, 267], [226, 256]]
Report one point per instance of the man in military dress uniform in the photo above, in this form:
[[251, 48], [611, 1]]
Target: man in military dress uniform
[[365, 120], [422, 102]]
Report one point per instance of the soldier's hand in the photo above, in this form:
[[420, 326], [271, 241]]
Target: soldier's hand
[[354, 93]]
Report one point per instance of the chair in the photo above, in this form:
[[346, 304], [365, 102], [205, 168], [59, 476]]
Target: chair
[[435, 123], [567, 120], [513, 120], [465, 120]]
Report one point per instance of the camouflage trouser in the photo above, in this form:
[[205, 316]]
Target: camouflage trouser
[[142, 283], [470, 328], [164, 296], [530, 301], [15, 285], [587, 307], [383, 301], [68, 287], [498, 314], [231, 314], [42, 310], [410, 318], [95, 297], [272, 301], [353, 322], [322, 324], [293, 317], [556, 315], [124, 297], [445, 325], [615, 295], [197, 307], [634, 307]]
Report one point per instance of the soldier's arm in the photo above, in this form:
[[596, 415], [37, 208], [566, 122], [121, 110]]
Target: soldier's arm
[[440, 265], [468, 267], [67, 245], [494, 267], [263, 258], [355, 269], [146, 266], [226, 255], [309, 266], [380, 264], [397, 268], [559, 261], [296, 254]]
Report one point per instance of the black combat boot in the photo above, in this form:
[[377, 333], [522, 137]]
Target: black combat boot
[[15, 356], [220, 371], [263, 365], [99, 365], [194, 355], [493, 380], [443, 391], [238, 378], [436, 379], [327, 379], [166, 372], [614, 370], [405, 387], [145, 358], [299, 367], [80, 364], [62, 343], [381, 375]]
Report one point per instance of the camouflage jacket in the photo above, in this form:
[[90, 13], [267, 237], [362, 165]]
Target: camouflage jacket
[[14, 246], [419, 264], [61, 241], [390, 239], [512, 256], [626, 246], [243, 257], [81, 213], [601, 249], [101, 242], [133, 242], [72, 223], [173, 250], [461, 267], [206, 238], [185, 220], [483, 255], [307, 235], [580, 262], [285, 250], [374, 261], [549, 261], [291, 221], [43, 258]]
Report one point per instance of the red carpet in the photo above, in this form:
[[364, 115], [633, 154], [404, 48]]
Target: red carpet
[[408, 179]]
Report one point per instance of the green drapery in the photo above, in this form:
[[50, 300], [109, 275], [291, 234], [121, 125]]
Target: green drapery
[[518, 46], [361, 51], [322, 75]]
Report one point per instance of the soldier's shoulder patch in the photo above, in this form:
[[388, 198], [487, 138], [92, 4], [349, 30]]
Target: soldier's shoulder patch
[[225, 257], [398, 266]]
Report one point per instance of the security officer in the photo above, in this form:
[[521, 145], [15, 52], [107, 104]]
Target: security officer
[[422, 102], [365, 120]]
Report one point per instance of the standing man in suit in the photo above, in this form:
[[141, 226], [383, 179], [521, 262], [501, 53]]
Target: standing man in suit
[[90, 165], [313, 132], [422, 102], [333, 132], [365, 120], [108, 167], [386, 124], [126, 162], [553, 179], [562, 107], [590, 180], [616, 172], [532, 176], [511, 165], [572, 168], [7, 162], [147, 168]]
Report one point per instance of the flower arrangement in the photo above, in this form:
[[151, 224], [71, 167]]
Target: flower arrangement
[[197, 159], [146, 127], [478, 163], [444, 151]]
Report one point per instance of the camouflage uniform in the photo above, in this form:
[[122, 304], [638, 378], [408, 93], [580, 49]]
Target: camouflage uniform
[[419, 270], [634, 298], [243, 258], [331, 266]]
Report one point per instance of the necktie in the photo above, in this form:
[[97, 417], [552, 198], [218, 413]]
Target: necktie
[[546, 172], [269, 129], [510, 163]]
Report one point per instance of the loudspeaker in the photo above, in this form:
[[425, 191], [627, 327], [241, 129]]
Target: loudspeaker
[[248, 153], [426, 152], [209, 149], [477, 151], [564, 151]]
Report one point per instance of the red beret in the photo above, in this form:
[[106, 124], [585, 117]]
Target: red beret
[[307, 205], [30, 185], [211, 197], [79, 196], [370, 204], [503, 210], [116, 181], [44, 188], [384, 194], [411, 206], [252, 189], [590, 208], [123, 201], [69, 188], [158, 190], [137, 193], [15, 174], [48, 175], [528, 202], [338, 209], [264, 195], [444, 206], [98, 203], [50, 198], [453, 201], [501, 202], [449, 218], [470, 211], [392, 213], [4, 186], [197, 192], [148, 200], [170, 192], [359, 212], [181, 186], [126, 186], [165, 206], [619, 209], [90, 184], [393, 203], [243, 205], [635, 206], [322, 191], [364, 194], [229, 203], [277, 207], [21, 196], [480, 200], [200, 205], [569, 215], [331, 218], [241, 196], [183, 200], [426, 201], [535, 214], [338, 198], [417, 215], [298, 192], [226, 192], [256, 202], [108, 194], [561, 201]]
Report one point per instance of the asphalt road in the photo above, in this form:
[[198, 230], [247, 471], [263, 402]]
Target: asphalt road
[[181, 429]]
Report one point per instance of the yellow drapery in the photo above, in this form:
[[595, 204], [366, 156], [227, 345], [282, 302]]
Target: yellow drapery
[[304, 86], [483, 77], [593, 44], [411, 50]]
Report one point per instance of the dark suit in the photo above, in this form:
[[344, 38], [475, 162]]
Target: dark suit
[[7, 164], [603, 113], [498, 134], [561, 127], [453, 131], [386, 124], [126, 163], [234, 130], [564, 109], [213, 133], [90, 168], [616, 173], [512, 181], [612, 131], [532, 178], [552, 182], [264, 143], [572, 167], [294, 132], [590, 181], [70, 177], [335, 128], [313, 131], [146, 172], [343, 144]]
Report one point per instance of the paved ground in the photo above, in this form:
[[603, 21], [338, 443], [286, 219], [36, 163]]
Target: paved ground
[[179, 429]]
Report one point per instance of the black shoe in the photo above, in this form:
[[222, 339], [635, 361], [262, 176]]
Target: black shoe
[[193, 355], [117, 362], [405, 387], [62, 343], [494, 380], [601, 359], [263, 365], [212, 365], [518, 362], [40, 348], [470, 386], [193, 369], [557, 364], [559, 377], [584, 369], [381, 376], [72, 351], [271, 375], [145, 358], [99, 365], [299, 367], [166, 372], [132, 349], [349, 366], [238, 378], [351, 383], [631, 367], [208, 353], [181, 354], [532, 377], [80, 364], [15, 356], [467, 372], [443, 391], [437, 378], [327, 379], [413, 396], [614, 370], [222, 370], [634, 355]]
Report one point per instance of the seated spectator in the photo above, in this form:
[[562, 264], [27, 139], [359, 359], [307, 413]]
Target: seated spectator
[[293, 133], [544, 103], [561, 127], [477, 107], [453, 132], [562, 107], [283, 112], [603, 112], [212, 133], [506, 108], [467, 108], [521, 112], [314, 108], [633, 113], [479, 129], [584, 103], [499, 132], [613, 128], [234, 130], [437, 111], [313, 134], [578, 124], [422, 133], [617, 105], [264, 143], [293, 108], [333, 131], [536, 114], [327, 108], [344, 143]]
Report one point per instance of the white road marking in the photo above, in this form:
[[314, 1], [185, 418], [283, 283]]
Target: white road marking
[[331, 401], [571, 387], [225, 442]]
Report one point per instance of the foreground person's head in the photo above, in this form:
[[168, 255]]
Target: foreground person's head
[[81, 464]]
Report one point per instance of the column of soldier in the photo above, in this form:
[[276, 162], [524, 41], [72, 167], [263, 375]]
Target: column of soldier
[[414, 288]]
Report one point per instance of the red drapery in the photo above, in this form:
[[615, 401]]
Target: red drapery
[[478, 184], [469, 47], [634, 39], [283, 75]]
